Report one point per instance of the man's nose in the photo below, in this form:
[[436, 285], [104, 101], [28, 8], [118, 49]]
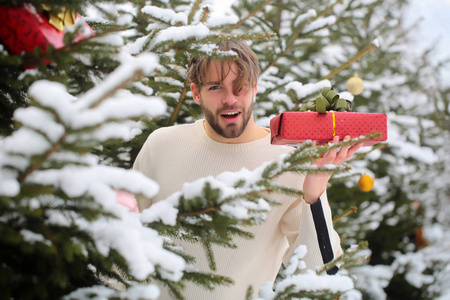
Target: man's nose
[[229, 98]]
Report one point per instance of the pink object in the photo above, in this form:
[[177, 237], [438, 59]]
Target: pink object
[[128, 200]]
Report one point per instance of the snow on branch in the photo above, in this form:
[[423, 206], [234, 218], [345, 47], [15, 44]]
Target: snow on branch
[[41, 159], [319, 24], [166, 16], [96, 181], [147, 291], [243, 198], [144, 64], [142, 247], [58, 118], [303, 91], [311, 13], [179, 34], [296, 281]]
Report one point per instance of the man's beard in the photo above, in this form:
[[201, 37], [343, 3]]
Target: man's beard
[[230, 130]]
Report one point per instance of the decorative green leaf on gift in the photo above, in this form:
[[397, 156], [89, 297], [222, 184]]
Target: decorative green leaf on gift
[[328, 100]]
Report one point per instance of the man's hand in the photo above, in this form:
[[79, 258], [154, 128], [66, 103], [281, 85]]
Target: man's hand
[[315, 184]]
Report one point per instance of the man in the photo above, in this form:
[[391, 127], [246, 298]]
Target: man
[[228, 139]]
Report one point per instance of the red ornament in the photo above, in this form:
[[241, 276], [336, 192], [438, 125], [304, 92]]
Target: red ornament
[[23, 29]]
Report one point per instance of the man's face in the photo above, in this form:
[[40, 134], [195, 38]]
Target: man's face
[[226, 113]]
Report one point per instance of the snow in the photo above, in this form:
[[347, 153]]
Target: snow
[[308, 282], [41, 121], [25, 142], [142, 87], [240, 209], [110, 39], [304, 90], [295, 261], [297, 278], [181, 33], [56, 121], [141, 246], [165, 15], [145, 63], [311, 13], [235, 206], [124, 104], [137, 292], [77, 181], [75, 113], [31, 237], [373, 280], [219, 20], [319, 23], [164, 211], [376, 43]]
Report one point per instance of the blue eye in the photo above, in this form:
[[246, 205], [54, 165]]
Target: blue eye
[[214, 87]]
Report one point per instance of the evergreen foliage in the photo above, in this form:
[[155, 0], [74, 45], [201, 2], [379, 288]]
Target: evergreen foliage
[[65, 151]]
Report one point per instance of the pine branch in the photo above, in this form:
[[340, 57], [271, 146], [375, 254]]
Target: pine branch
[[147, 11], [204, 218], [242, 21], [347, 64], [292, 163], [353, 209], [30, 59], [328, 9], [209, 253], [193, 10], [249, 293], [290, 44], [204, 14], [359, 156], [198, 212], [347, 256], [181, 99], [214, 38], [45, 157], [207, 280]]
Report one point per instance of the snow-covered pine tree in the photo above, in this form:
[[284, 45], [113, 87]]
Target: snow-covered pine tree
[[410, 191], [63, 231], [300, 46], [410, 195]]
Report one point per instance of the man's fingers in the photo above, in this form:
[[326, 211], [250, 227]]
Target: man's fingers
[[345, 152], [337, 156], [342, 154], [353, 149]]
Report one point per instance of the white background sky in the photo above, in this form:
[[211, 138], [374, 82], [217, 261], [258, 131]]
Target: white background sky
[[434, 28]]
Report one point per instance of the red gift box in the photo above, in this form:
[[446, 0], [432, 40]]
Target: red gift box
[[297, 127], [23, 29]]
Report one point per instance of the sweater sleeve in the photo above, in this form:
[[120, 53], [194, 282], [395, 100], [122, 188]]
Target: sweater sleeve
[[141, 164], [298, 226]]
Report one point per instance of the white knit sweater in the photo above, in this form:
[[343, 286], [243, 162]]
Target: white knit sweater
[[184, 153]]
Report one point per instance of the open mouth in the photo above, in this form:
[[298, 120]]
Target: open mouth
[[230, 115]]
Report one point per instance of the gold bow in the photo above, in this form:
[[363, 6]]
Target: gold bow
[[64, 17], [327, 100]]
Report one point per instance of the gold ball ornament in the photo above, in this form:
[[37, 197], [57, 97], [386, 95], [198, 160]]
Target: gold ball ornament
[[365, 183], [355, 85]]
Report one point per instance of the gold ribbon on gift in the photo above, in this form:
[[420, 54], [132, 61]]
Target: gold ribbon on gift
[[334, 123], [328, 100], [64, 17]]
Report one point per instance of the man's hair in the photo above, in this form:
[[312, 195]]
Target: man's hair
[[247, 64]]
